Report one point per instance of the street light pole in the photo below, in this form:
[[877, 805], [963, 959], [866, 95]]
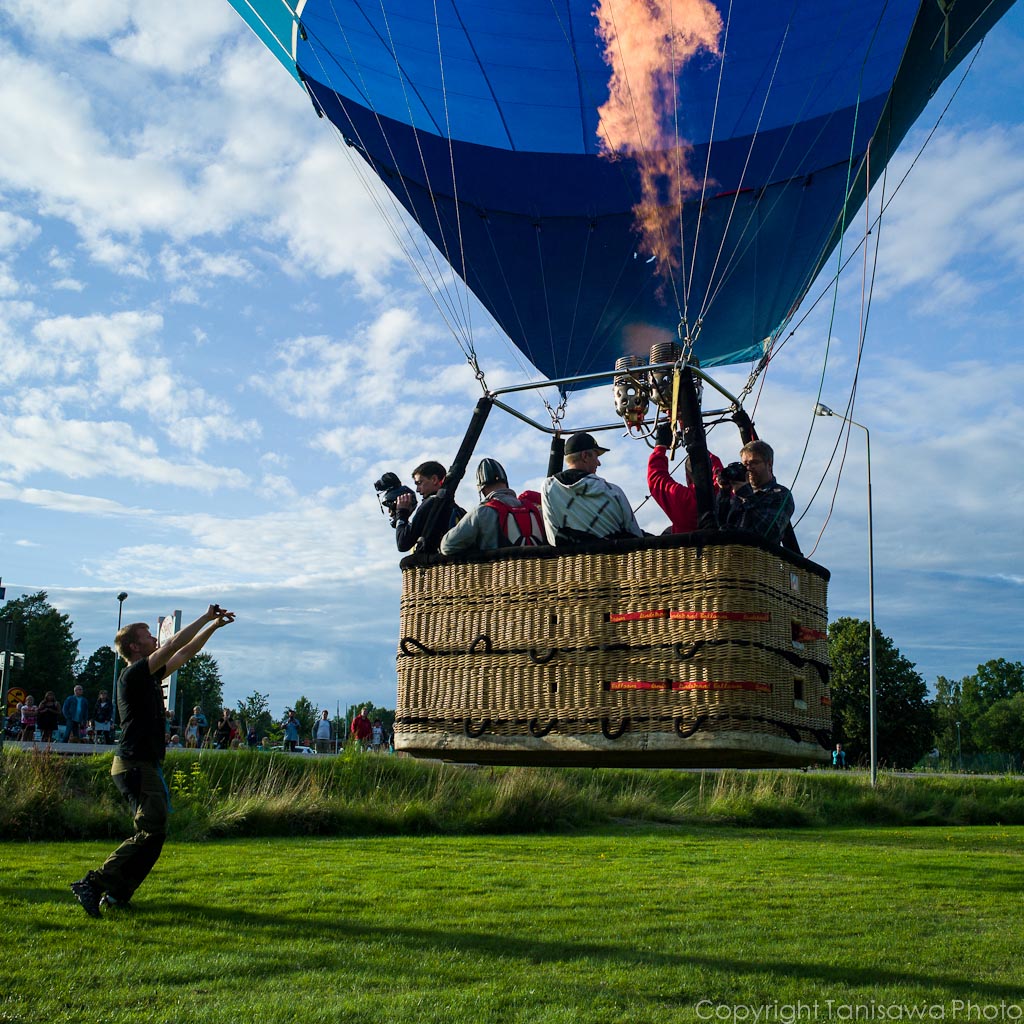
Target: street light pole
[[824, 410], [959, 750], [121, 598]]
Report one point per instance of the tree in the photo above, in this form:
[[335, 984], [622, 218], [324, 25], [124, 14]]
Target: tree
[[1001, 728], [949, 737], [199, 683], [45, 637], [995, 681], [255, 711], [906, 718], [97, 674]]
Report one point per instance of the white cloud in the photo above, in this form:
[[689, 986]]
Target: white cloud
[[16, 231], [118, 356], [962, 204], [64, 501], [68, 284], [79, 449], [78, 20], [174, 37]]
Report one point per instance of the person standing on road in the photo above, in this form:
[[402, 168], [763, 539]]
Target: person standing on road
[[136, 769], [322, 733]]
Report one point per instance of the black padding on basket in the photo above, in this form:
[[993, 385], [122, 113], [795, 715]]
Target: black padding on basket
[[824, 737], [694, 648], [606, 728], [700, 540], [536, 730], [542, 659], [698, 723], [408, 641], [488, 646], [473, 731], [796, 660], [789, 729]]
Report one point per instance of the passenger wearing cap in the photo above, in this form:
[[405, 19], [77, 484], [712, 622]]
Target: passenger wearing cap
[[678, 501], [497, 521], [580, 507]]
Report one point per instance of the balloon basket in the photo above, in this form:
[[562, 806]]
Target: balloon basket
[[694, 650]]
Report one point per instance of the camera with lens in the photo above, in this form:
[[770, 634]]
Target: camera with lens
[[389, 489], [734, 473]]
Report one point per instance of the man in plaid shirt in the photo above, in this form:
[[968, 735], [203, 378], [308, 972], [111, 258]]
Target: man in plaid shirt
[[762, 504]]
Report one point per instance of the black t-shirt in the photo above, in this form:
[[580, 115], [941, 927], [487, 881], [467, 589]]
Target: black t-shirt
[[140, 705]]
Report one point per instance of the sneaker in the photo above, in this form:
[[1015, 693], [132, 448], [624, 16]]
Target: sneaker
[[88, 895], [113, 903]]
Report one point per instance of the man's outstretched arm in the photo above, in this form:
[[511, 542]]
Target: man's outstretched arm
[[172, 655]]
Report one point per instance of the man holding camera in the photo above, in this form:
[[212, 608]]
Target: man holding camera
[[136, 769], [409, 525], [761, 504], [678, 501]]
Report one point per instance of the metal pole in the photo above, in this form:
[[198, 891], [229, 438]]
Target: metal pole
[[7, 639], [121, 598], [872, 690], [959, 750], [824, 410]]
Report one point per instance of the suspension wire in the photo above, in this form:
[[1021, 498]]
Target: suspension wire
[[742, 247], [579, 283], [451, 160], [626, 260], [644, 150], [423, 165], [839, 253], [544, 291], [688, 281], [746, 164], [439, 277], [865, 305], [917, 156]]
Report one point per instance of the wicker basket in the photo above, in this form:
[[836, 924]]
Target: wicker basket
[[705, 649]]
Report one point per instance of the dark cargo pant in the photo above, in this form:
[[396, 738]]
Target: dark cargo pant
[[142, 784]]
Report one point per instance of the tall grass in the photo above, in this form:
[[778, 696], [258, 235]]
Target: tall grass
[[239, 794]]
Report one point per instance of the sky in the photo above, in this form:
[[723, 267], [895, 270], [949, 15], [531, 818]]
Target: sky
[[211, 346]]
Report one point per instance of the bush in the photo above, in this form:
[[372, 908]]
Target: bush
[[245, 794]]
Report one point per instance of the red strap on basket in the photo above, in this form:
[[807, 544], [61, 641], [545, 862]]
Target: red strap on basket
[[727, 616], [654, 613]]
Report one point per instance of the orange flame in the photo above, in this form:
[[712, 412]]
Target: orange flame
[[646, 43]]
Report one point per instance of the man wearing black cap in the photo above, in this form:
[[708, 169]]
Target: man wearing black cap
[[580, 507], [500, 520]]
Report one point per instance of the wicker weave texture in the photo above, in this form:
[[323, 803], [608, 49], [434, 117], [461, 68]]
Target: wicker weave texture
[[676, 641]]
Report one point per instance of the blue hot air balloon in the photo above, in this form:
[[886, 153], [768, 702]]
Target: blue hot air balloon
[[606, 175], [753, 136]]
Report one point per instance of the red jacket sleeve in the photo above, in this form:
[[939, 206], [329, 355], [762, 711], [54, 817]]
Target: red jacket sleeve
[[678, 501]]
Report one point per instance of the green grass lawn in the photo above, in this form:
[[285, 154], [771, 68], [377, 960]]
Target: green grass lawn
[[623, 924]]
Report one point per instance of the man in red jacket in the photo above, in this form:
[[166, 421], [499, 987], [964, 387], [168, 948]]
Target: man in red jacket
[[678, 501], [362, 728]]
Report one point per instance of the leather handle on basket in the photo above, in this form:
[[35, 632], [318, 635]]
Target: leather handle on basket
[[609, 733], [407, 642], [542, 659]]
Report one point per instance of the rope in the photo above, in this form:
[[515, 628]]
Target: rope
[[463, 340]]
